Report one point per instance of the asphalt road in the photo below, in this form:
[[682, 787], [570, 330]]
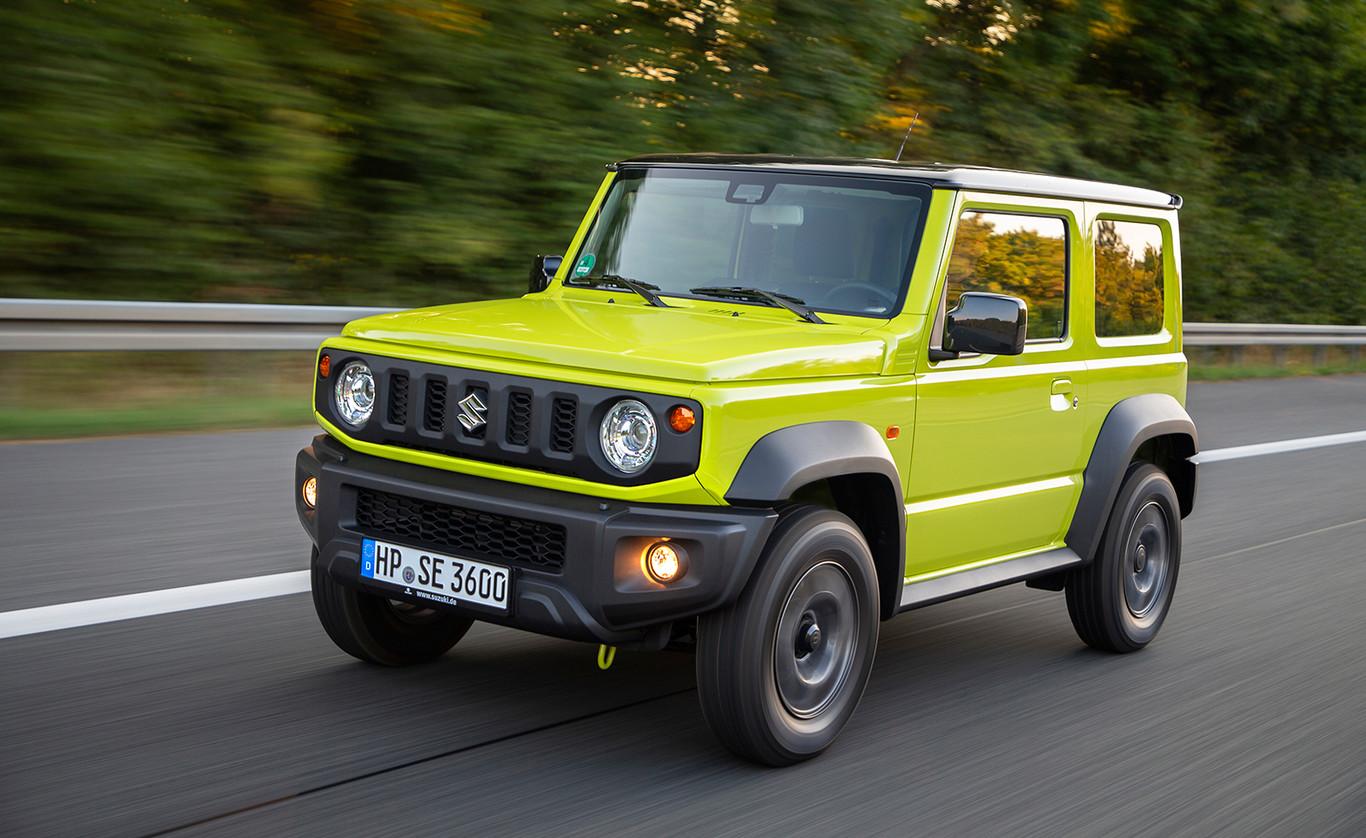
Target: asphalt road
[[984, 716]]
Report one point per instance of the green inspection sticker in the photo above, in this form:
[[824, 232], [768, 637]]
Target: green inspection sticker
[[585, 265]]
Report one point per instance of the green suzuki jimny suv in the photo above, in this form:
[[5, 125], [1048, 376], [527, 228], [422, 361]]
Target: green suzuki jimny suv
[[763, 404]]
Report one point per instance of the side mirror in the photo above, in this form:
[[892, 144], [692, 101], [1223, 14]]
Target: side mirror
[[543, 270], [993, 324]]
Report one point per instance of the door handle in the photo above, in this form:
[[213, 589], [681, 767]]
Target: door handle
[[1060, 397]]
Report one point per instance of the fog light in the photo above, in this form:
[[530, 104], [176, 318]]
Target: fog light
[[665, 562], [311, 492]]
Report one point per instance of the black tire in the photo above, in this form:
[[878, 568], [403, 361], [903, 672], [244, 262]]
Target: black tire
[[773, 690], [1119, 600], [383, 631]]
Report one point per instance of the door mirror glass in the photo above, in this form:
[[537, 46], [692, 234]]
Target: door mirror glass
[[992, 324]]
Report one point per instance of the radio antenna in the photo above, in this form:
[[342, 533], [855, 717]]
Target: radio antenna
[[907, 137]]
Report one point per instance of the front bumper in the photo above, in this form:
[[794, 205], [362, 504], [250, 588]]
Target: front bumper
[[594, 588]]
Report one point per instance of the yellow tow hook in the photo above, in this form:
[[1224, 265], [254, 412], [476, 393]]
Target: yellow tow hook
[[606, 654]]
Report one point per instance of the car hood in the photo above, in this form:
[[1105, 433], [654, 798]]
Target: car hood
[[707, 341]]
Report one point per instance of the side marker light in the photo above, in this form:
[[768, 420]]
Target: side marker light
[[893, 431], [324, 366], [311, 492]]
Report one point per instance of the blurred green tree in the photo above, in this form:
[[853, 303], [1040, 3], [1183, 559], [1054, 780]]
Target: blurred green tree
[[416, 151]]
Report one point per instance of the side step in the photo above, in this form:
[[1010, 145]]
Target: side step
[[964, 582]]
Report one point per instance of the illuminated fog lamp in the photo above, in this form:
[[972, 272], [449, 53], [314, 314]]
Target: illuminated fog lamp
[[682, 418], [665, 562], [324, 366], [311, 492]]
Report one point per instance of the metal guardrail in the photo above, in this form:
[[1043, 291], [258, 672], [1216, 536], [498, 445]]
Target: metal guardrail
[[1272, 334], [83, 325]]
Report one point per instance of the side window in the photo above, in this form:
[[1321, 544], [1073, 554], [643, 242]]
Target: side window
[[1128, 278], [1024, 256]]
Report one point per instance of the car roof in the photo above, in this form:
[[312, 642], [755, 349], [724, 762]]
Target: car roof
[[935, 174]]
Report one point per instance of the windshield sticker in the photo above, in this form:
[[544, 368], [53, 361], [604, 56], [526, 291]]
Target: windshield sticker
[[585, 265], [747, 193]]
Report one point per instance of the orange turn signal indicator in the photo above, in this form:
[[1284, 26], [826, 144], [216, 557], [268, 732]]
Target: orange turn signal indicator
[[324, 366], [893, 431], [682, 418], [310, 491]]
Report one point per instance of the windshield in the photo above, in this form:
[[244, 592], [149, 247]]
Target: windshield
[[840, 244]]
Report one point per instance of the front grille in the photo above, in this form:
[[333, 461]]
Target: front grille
[[478, 535], [507, 420]]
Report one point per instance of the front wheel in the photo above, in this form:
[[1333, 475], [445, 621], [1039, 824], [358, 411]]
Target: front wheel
[[780, 672], [380, 630], [1118, 601]]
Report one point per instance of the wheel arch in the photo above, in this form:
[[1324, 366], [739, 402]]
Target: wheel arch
[[850, 461], [1153, 428]]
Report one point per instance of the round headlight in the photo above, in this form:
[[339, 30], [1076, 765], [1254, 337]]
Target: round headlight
[[629, 436], [355, 393]]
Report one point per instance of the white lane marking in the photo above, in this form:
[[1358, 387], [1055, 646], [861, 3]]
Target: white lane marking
[[130, 606], [1238, 452]]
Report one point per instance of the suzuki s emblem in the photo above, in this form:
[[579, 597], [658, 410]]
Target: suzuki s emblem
[[472, 412]]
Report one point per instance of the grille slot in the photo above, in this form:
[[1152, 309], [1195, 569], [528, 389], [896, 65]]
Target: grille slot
[[519, 418], [398, 399], [434, 406], [479, 535], [563, 418]]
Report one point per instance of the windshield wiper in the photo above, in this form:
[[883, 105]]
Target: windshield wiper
[[644, 289], [738, 292]]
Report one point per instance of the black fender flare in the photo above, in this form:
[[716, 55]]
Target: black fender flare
[[785, 460], [1130, 423]]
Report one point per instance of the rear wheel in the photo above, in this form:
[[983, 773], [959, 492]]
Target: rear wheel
[[379, 630], [781, 671], [1118, 601]]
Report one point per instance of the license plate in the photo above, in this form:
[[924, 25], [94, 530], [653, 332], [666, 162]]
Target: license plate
[[434, 576]]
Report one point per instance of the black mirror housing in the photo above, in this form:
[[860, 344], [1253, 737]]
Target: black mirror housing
[[543, 270], [992, 324]]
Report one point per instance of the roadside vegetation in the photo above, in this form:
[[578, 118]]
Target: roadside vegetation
[[55, 395], [405, 152]]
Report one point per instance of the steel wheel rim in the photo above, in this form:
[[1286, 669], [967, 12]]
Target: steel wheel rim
[[808, 679], [1147, 559]]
